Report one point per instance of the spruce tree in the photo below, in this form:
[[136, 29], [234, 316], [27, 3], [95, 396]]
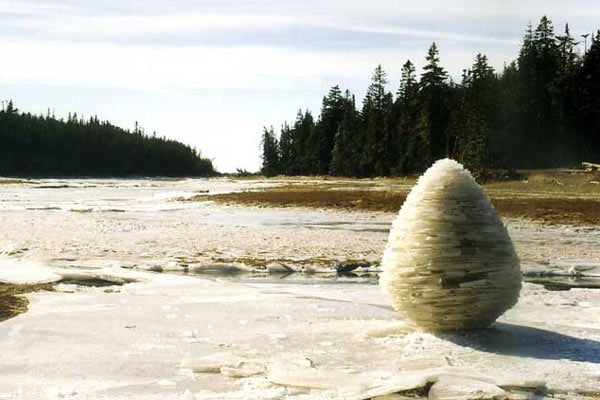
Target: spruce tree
[[332, 113], [270, 153], [46, 146], [376, 110], [567, 144], [304, 144], [346, 149], [435, 113], [539, 100], [475, 116], [541, 111], [410, 144], [506, 139], [587, 101], [286, 149]]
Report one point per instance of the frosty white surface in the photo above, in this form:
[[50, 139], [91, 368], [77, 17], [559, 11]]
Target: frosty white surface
[[168, 336], [177, 337], [23, 272], [449, 263]]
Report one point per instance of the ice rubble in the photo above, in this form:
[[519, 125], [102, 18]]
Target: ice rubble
[[28, 272], [449, 263], [174, 337]]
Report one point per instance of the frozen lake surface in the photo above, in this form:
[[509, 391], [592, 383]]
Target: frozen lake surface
[[118, 328]]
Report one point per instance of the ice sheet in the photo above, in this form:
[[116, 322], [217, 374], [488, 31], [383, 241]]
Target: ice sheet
[[245, 341], [294, 338]]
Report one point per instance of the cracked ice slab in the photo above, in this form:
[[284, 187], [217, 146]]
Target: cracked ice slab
[[209, 338]]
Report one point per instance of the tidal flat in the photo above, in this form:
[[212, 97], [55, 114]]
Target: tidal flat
[[171, 289]]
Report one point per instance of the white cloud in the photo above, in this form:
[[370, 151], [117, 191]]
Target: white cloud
[[158, 68], [422, 33], [124, 27], [32, 9]]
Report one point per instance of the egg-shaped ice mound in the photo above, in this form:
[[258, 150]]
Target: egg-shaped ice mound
[[449, 263]]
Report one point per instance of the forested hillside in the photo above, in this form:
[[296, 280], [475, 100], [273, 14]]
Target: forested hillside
[[33, 145], [540, 111]]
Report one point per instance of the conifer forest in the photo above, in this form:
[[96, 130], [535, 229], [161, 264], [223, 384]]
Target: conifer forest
[[541, 111], [32, 145]]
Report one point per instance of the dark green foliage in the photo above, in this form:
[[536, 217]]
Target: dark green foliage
[[346, 151], [410, 142], [474, 115], [542, 111], [271, 158], [45, 146], [286, 150], [505, 139], [376, 133], [538, 79], [435, 107], [304, 145], [587, 102], [332, 113]]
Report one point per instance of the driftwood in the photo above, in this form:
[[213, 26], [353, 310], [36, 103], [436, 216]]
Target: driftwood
[[588, 166]]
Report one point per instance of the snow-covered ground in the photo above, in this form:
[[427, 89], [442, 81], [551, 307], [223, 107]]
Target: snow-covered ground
[[196, 336]]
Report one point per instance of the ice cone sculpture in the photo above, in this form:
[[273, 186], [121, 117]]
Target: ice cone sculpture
[[449, 263]]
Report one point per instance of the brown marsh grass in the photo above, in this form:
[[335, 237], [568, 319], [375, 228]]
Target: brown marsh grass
[[549, 196]]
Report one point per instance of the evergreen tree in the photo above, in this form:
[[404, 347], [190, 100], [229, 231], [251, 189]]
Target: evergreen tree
[[435, 113], [286, 149], [476, 116], [409, 145], [539, 61], [587, 101], [304, 153], [568, 58], [332, 113], [376, 110], [270, 153], [45, 146], [568, 65], [346, 149], [507, 139], [541, 111]]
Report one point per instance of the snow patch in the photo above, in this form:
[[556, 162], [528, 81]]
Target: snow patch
[[25, 272]]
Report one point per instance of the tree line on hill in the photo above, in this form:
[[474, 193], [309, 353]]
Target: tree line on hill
[[32, 145], [541, 111]]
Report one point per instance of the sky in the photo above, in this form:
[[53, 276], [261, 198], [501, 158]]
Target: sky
[[212, 73]]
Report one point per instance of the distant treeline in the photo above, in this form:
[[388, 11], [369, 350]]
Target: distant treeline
[[32, 145], [542, 111]]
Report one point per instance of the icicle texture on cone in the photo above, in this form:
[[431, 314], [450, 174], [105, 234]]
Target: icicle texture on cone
[[449, 263]]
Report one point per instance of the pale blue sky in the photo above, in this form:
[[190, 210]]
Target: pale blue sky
[[211, 73]]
